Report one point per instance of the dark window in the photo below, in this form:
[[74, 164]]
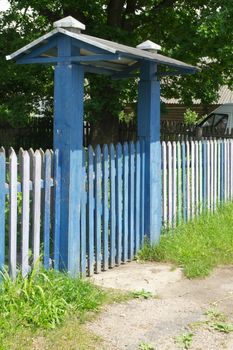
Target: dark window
[[215, 122]]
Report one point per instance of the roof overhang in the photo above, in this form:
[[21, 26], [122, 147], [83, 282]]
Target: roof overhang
[[97, 55]]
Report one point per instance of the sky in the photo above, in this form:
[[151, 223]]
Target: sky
[[4, 5]]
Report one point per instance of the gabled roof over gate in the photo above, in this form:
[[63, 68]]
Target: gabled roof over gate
[[94, 52]]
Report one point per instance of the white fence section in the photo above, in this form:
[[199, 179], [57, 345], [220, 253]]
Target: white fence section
[[196, 176]]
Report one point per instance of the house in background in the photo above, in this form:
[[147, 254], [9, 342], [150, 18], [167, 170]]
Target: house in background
[[174, 110]]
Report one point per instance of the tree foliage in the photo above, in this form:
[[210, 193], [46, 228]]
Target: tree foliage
[[198, 32]]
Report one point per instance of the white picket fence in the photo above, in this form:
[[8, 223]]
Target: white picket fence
[[196, 176], [26, 190]]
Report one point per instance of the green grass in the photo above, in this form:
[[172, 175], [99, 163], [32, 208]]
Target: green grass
[[197, 246], [41, 304]]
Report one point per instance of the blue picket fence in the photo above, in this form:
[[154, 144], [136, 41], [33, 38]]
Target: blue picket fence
[[111, 215], [196, 177], [112, 209]]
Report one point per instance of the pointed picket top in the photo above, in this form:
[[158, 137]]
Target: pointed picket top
[[20, 157], [105, 150], [12, 154], [149, 45], [2, 151], [69, 22]]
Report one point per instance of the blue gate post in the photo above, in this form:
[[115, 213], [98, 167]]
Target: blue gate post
[[68, 139], [149, 130]]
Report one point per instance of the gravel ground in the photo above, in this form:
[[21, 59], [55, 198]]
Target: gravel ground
[[178, 308]]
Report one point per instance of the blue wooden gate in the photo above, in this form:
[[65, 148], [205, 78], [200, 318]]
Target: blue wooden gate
[[112, 208]]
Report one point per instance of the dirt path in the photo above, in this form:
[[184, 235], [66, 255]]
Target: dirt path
[[179, 310]]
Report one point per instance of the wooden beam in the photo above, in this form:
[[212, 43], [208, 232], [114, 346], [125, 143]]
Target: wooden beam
[[97, 70], [42, 48], [125, 72], [86, 46], [180, 71], [91, 58]]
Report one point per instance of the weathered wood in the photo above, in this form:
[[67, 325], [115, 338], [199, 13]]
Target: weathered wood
[[174, 184], [112, 207], [188, 178], [169, 157], [219, 172], [13, 213], [200, 176], [222, 183], [193, 204], [137, 197], [105, 216], [208, 175], [36, 211], [215, 174], [2, 206], [47, 161], [90, 177], [83, 241], [204, 181], [131, 200], [125, 201], [184, 186], [179, 184], [57, 209], [225, 172], [97, 222], [211, 175], [119, 195], [164, 183], [25, 168], [196, 180], [142, 200]]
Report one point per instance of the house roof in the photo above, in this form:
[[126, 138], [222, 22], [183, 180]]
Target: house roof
[[128, 56], [225, 96]]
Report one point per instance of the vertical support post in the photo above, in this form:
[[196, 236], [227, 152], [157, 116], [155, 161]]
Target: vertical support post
[[68, 139], [149, 130]]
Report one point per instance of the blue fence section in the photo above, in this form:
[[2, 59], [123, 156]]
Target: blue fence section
[[112, 202], [196, 178], [112, 221]]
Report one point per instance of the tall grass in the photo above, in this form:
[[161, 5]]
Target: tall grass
[[43, 300], [197, 246]]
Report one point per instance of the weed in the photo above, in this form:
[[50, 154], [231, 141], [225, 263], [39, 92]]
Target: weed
[[43, 300], [145, 346], [185, 340], [197, 246], [214, 314], [222, 327], [142, 294]]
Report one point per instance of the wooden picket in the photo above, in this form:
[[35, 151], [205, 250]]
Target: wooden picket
[[25, 166], [13, 203]]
